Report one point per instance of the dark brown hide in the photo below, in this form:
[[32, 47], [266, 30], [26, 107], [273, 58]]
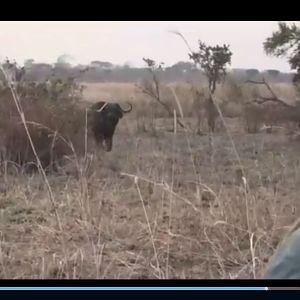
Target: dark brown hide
[[105, 118]]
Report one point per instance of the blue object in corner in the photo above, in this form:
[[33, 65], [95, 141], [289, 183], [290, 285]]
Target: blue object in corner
[[285, 262]]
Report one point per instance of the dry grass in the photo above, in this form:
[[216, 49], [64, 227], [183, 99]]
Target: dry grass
[[125, 91], [160, 205]]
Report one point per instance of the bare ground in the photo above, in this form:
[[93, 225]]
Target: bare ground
[[160, 205]]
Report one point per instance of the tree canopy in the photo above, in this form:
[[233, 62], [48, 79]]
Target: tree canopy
[[213, 61], [285, 42]]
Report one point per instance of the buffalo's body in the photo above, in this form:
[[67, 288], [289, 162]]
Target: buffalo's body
[[105, 118]]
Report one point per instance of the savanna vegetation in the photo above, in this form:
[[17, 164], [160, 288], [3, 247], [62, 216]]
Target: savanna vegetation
[[201, 183]]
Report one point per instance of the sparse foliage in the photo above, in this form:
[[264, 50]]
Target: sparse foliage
[[285, 42], [213, 60], [153, 87]]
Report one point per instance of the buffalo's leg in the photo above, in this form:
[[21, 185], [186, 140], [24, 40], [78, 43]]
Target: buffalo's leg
[[107, 143]]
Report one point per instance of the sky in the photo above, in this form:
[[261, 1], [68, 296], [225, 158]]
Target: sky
[[119, 42]]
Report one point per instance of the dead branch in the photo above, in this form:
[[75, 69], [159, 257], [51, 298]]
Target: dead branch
[[274, 97], [155, 94], [176, 32]]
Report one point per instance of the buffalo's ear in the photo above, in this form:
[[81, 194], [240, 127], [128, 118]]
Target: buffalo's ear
[[120, 114], [119, 111]]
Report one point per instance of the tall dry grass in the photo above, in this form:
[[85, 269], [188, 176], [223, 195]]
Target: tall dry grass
[[230, 92]]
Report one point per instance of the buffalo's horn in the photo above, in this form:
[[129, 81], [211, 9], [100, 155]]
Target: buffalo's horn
[[98, 110], [128, 110]]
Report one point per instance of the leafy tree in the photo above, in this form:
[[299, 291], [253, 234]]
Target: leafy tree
[[273, 73], [63, 61], [101, 64], [251, 73], [285, 42], [28, 62], [127, 65], [213, 61], [183, 66]]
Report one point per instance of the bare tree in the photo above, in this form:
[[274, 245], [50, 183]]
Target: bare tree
[[288, 112], [273, 97], [153, 88]]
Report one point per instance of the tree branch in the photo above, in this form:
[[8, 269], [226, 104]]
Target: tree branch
[[156, 94], [274, 97]]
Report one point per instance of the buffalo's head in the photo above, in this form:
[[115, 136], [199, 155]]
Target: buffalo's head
[[110, 109], [114, 110]]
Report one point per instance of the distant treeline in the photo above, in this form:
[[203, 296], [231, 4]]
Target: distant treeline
[[98, 71]]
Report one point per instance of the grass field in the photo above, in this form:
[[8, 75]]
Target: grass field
[[160, 205]]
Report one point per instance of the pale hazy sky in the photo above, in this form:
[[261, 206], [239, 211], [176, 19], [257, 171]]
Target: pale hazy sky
[[118, 42]]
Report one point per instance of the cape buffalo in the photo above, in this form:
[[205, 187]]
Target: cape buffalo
[[105, 118]]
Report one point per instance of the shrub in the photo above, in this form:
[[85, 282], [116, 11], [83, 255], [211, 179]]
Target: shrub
[[56, 128]]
